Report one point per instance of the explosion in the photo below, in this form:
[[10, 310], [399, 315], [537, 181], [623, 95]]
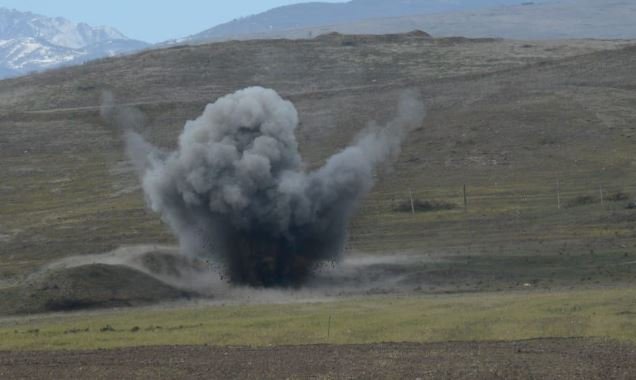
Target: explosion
[[236, 190]]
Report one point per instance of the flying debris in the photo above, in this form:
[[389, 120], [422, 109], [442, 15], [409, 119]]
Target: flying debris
[[236, 190]]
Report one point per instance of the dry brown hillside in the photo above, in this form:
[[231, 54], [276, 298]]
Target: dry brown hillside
[[508, 119]]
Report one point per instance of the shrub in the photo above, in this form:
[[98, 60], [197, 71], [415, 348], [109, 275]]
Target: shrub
[[618, 197], [424, 206], [582, 200]]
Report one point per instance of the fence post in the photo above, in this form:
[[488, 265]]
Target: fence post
[[412, 202], [558, 194], [465, 200], [602, 197]]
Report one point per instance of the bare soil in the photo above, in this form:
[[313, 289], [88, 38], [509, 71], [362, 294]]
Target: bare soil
[[534, 359]]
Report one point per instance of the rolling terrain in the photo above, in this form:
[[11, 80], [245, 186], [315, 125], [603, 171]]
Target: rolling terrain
[[552, 19], [507, 119], [539, 133], [320, 14]]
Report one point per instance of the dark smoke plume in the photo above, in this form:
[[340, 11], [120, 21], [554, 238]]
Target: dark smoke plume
[[236, 190]]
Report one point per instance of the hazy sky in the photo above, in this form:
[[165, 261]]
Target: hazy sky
[[150, 20]]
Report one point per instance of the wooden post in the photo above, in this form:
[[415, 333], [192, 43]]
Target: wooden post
[[602, 197], [465, 200], [558, 194], [412, 202], [329, 328]]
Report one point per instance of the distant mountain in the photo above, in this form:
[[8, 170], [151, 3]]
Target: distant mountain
[[30, 42], [520, 19], [315, 14], [556, 19]]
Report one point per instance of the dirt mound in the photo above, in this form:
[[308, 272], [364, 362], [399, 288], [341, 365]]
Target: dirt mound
[[353, 39], [163, 263], [419, 33], [86, 287]]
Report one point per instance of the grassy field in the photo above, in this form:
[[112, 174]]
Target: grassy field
[[506, 118], [604, 313]]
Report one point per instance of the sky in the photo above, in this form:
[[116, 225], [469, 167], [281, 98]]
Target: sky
[[150, 20]]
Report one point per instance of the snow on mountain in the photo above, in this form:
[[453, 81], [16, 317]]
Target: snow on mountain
[[30, 42]]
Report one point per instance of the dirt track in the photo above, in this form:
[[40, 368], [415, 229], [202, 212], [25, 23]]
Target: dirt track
[[535, 359]]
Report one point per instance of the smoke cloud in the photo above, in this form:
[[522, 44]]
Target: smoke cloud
[[236, 190]]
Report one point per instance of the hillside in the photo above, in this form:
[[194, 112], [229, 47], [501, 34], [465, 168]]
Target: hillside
[[316, 14], [556, 19], [508, 119]]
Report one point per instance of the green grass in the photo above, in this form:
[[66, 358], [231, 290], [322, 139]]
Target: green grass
[[507, 142], [609, 313], [508, 136]]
